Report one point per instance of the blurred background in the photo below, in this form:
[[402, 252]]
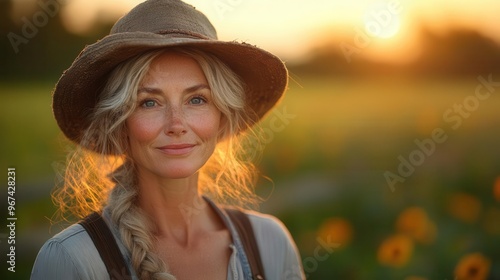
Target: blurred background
[[383, 156]]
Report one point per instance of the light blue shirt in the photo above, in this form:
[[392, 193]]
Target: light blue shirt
[[71, 254]]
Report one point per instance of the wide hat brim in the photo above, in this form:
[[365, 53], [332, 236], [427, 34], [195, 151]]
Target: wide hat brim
[[77, 91]]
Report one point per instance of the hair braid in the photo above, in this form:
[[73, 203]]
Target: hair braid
[[135, 234]]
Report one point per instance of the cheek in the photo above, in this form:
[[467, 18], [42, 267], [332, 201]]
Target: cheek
[[207, 126], [142, 129]]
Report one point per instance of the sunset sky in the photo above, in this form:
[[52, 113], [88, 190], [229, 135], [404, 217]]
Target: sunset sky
[[290, 27]]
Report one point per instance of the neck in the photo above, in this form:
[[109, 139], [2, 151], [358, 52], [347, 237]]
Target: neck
[[175, 207]]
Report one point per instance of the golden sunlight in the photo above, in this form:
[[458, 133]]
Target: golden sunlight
[[381, 29], [382, 20], [89, 13]]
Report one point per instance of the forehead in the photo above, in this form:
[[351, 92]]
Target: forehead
[[173, 66]]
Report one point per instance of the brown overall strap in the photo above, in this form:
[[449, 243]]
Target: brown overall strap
[[245, 231], [105, 243]]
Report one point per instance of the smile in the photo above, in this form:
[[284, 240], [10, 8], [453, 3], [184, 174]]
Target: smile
[[177, 149]]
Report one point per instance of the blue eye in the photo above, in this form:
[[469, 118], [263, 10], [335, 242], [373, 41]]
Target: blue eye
[[197, 100], [148, 103]]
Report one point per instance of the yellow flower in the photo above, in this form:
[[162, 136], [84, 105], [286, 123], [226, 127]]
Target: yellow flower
[[473, 267], [496, 189], [464, 207], [337, 230], [415, 223], [395, 251]]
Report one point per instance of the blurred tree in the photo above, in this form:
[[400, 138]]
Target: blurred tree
[[458, 52], [47, 51], [51, 48]]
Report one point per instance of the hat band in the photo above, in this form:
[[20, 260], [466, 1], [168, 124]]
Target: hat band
[[183, 33]]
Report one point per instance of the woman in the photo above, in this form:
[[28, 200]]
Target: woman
[[159, 109]]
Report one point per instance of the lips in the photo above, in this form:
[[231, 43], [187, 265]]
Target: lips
[[177, 149]]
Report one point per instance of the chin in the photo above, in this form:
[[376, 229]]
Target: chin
[[178, 175], [178, 172]]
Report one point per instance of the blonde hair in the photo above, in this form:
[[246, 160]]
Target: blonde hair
[[98, 171]]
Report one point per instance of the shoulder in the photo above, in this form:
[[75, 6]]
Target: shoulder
[[70, 254], [71, 238], [268, 225], [277, 249], [270, 232]]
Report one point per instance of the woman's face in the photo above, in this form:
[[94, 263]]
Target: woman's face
[[173, 131]]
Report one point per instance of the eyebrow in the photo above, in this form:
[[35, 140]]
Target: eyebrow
[[153, 90]]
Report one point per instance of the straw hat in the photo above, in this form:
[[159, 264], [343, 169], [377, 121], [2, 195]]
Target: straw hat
[[158, 24]]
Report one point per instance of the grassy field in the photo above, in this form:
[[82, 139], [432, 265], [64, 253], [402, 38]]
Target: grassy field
[[328, 148]]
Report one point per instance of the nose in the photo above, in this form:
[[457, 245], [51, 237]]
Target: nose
[[175, 122]]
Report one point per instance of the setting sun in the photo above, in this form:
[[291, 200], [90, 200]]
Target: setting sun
[[292, 29], [382, 20]]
